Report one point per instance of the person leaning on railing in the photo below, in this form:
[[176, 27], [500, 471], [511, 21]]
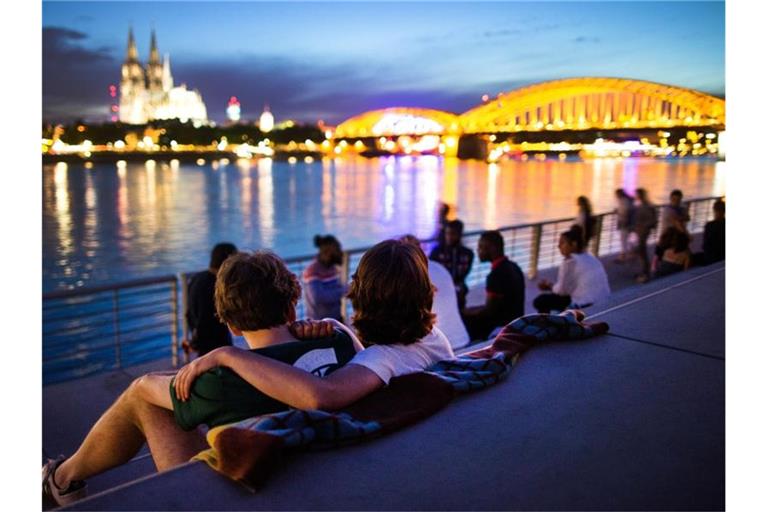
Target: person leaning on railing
[[645, 222]]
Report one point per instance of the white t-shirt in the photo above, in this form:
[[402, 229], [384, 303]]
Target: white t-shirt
[[389, 361], [446, 307], [583, 277]]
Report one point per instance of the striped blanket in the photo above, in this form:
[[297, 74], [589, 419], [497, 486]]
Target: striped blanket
[[249, 450]]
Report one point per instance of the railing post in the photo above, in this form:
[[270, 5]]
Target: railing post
[[116, 320], [345, 280], [182, 278], [175, 323], [535, 250], [597, 232]]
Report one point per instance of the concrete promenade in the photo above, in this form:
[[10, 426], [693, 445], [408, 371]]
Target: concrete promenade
[[632, 420]]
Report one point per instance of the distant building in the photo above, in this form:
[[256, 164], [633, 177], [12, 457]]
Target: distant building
[[267, 120], [147, 94], [233, 109]]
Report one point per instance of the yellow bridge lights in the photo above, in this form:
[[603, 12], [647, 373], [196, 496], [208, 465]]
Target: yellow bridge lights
[[568, 104]]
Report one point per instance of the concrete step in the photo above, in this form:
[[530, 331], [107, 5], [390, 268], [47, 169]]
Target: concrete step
[[607, 423]]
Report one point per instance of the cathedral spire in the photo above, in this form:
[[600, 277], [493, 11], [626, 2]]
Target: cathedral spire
[[167, 77], [133, 54], [154, 55]]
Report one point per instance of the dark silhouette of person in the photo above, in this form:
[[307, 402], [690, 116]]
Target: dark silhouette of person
[[504, 289], [713, 246], [585, 219], [645, 222], [207, 332], [456, 258]]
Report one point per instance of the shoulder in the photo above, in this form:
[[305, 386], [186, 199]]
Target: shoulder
[[202, 279], [437, 271], [512, 268]]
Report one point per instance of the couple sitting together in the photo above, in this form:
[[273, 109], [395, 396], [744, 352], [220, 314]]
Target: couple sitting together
[[256, 297]]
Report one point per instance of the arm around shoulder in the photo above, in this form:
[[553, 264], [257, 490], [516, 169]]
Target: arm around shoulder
[[300, 389]]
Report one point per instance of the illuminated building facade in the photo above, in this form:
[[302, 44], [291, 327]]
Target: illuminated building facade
[[233, 109], [267, 120], [147, 93]]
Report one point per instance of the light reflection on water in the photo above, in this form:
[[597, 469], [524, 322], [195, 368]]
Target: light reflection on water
[[114, 222]]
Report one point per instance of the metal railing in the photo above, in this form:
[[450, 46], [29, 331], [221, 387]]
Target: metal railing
[[102, 328]]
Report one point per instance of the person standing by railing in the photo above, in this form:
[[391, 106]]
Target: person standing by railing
[[585, 219], [624, 221], [645, 222], [675, 214], [456, 258], [323, 286], [207, 332]]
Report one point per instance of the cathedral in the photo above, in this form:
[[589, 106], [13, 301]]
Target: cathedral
[[147, 94]]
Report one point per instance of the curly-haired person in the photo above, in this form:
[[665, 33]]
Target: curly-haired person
[[255, 296]]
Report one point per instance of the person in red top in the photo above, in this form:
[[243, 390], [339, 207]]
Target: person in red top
[[504, 290]]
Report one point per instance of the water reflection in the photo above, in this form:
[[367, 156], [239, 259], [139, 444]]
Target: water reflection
[[63, 210], [266, 203], [145, 218]]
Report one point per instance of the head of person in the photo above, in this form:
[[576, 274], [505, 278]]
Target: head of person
[[219, 253], [392, 294], [329, 250], [255, 291], [412, 240], [681, 241], [676, 197], [584, 204], [719, 209], [443, 210], [490, 246], [668, 238], [620, 194], [642, 195], [571, 241], [454, 230]]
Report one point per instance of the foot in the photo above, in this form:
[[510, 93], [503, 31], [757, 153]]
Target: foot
[[641, 279], [55, 496]]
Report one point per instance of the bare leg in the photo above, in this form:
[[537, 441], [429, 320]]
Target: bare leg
[[122, 430]]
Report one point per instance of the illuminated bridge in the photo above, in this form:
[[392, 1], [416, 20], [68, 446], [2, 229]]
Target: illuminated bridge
[[397, 121], [594, 103], [567, 104]]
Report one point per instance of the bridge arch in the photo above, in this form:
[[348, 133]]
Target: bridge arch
[[397, 121], [594, 102]]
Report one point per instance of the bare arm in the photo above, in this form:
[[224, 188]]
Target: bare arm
[[283, 382]]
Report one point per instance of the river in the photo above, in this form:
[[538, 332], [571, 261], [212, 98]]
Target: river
[[106, 223]]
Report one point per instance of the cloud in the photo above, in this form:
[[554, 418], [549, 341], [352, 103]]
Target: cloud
[[61, 45], [75, 75]]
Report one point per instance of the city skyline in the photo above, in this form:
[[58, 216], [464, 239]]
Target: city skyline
[[312, 61]]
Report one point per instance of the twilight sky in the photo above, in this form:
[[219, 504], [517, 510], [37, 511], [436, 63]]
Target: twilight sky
[[330, 61]]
